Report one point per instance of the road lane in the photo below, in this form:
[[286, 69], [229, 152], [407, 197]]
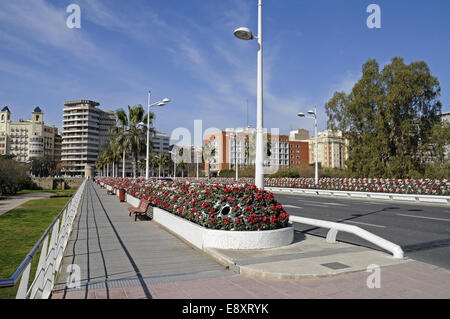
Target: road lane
[[420, 228], [423, 217]]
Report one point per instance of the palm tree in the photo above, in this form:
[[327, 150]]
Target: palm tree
[[100, 164], [181, 162], [142, 166], [108, 157], [130, 135], [163, 160], [209, 154], [117, 131], [247, 150], [154, 163], [115, 156]]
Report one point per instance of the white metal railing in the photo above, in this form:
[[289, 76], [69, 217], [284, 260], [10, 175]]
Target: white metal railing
[[50, 257], [334, 228], [369, 195]]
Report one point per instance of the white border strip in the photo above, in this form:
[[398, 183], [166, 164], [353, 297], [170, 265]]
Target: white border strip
[[388, 196]]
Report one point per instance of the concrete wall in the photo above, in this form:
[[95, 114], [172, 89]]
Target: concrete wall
[[56, 183]]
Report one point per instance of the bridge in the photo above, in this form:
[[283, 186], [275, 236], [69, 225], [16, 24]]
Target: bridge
[[95, 241]]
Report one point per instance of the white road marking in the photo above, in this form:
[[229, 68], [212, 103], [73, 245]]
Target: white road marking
[[335, 204], [371, 203], [316, 205], [361, 223], [313, 203], [292, 206], [423, 217]]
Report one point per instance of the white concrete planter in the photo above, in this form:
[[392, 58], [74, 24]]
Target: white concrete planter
[[133, 201], [203, 238]]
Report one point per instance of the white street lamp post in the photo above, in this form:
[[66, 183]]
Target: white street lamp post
[[123, 165], [316, 147], [235, 158], [123, 157], [196, 152], [160, 103], [245, 34]]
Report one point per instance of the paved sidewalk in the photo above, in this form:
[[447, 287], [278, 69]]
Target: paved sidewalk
[[120, 259], [112, 250], [308, 256], [15, 201]]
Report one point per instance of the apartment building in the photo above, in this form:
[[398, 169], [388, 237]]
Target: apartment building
[[298, 148], [85, 132], [332, 149], [160, 142], [239, 146], [28, 139]]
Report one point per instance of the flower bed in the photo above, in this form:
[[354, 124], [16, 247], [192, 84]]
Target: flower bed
[[372, 185], [220, 207]]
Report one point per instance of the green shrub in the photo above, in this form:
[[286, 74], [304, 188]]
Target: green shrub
[[14, 176]]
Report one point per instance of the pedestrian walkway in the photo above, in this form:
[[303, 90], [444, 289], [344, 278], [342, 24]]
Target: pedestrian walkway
[[120, 258], [15, 201], [112, 250]]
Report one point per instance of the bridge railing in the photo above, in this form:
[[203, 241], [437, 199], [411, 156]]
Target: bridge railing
[[51, 254], [334, 228]]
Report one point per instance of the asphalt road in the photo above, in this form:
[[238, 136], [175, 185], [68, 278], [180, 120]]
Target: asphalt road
[[422, 230]]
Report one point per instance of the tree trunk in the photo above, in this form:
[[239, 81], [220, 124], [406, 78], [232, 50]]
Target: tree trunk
[[134, 165]]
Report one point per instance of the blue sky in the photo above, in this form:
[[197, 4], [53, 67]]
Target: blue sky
[[186, 50]]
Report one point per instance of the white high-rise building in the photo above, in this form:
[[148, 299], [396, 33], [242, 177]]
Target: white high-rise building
[[85, 131], [160, 142]]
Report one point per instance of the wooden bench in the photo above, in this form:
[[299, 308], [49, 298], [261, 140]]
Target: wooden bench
[[140, 210]]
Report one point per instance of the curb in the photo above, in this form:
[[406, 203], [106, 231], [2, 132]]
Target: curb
[[249, 271], [223, 260]]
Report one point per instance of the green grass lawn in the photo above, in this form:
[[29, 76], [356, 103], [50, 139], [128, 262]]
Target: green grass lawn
[[21, 228], [55, 192]]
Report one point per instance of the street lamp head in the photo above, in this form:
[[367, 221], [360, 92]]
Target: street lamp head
[[166, 100], [311, 112], [301, 114], [161, 104], [141, 124], [243, 34]]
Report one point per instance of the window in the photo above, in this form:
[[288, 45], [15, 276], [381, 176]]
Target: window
[[3, 117]]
